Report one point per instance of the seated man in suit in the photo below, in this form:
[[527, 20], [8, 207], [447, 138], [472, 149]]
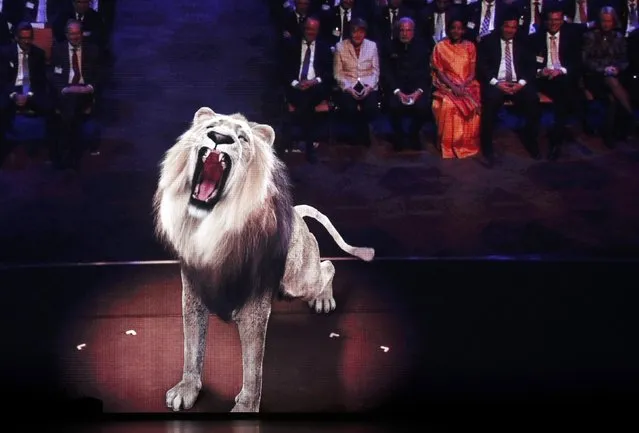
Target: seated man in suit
[[582, 13], [433, 18], [292, 20], [407, 81], [484, 17], [24, 81], [44, 12], [356, 70], [93, 30], [557, 49], [506, 69], [336, 22], [75, 78], [309, 77]]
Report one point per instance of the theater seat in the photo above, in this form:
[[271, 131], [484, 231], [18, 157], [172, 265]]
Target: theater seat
[[43, 39]]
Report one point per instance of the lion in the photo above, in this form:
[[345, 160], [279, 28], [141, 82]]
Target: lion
[[223, 205]]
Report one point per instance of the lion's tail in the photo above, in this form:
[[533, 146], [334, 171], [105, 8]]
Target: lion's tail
[[366, 254]]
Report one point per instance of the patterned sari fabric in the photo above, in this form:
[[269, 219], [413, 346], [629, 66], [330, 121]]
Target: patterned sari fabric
[[457, 117]]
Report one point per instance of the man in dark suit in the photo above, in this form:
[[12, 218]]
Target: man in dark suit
[[506, 70], [5, 32], [309, 78], [433, 18], [11, 11], [531, 15], [583, 13], [557, 49], [335, 22], [42, 11], [75, 80], [483, 17], [24, 81], [292, 20], [407, 82], [93, 30], [387, 20]]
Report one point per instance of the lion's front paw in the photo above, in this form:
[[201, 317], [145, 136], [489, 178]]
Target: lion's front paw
[[245, 403], [183, 395], [323, 305]]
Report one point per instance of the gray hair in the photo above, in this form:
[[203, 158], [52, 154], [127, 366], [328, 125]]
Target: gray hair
[[609, 10]]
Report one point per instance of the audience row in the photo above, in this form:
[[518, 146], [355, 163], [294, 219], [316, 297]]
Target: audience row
[[58, 83], [463, 80]]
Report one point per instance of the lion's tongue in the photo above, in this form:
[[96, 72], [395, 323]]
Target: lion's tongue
[[211, 175], [205, 190]]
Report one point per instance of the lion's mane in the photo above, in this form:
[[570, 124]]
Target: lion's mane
[[238, 250]]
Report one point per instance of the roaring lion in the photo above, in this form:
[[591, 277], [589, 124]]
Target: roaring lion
[[223, 205]]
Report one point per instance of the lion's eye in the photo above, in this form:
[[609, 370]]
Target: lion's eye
[[243, 137]]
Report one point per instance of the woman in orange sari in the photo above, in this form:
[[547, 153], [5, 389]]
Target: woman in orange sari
[[456, 100]]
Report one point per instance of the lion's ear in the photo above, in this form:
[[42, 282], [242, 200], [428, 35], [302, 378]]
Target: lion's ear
[[265, 133], [204, 113]]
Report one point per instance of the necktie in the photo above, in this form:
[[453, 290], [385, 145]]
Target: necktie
[[41, 17], [632, 14], [554, 52], [508, 58], [583, 16], [537, 12], [344, 25], [392, 21], [306, 63], [26, 80], [485, 25], [76, 67]]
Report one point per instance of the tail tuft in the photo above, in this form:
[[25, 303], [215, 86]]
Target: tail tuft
[[366, 254]]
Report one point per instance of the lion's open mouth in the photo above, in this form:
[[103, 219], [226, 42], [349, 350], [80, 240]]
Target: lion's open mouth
[[210, 175]]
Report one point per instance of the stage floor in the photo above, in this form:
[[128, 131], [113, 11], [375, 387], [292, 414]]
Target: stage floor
[[407, 336]]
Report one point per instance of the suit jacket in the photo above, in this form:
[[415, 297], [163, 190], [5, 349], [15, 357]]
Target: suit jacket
[[406, 67], [322, 62], [570, 42], [621, 7], [61, 66], [331, 23], [427, 20], [473, 16], [5, 34], [489, 57], [525, 9], [602, 50], [289, 23], [12, 11], [37, 70], [347, 67], [93, 28], [592, 10], [28, 9]]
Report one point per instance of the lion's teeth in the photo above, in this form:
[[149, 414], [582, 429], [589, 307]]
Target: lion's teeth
[[221, 157]]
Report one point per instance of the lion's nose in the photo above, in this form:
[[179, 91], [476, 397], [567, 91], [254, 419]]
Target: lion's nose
[[220, 138]]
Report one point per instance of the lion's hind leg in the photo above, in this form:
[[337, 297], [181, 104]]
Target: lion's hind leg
[[324, 302]]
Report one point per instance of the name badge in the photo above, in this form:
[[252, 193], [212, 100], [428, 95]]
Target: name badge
[[29, 5], [12, 65], [10, 26], [540, 59], [37, 25], [57, 70], [470, 25], [521, 21], [86, 34], [325, 7]]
